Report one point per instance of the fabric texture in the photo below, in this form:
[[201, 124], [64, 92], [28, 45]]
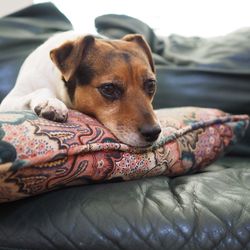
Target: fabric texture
[[38, 155]]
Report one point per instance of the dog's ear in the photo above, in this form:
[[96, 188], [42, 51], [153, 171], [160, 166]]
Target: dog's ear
[[140, 40], [68, 56]]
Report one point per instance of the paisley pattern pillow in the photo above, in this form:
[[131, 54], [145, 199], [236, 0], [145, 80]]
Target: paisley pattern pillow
[[37, 155]]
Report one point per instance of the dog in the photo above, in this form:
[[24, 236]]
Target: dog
[[111, 80]]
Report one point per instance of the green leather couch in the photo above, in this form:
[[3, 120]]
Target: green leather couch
[[206, 210]]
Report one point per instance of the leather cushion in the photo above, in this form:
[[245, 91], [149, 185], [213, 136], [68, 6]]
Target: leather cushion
[[207, 210]]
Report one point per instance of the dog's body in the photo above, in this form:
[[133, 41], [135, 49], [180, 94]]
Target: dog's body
[[112, 80], [39, 78]]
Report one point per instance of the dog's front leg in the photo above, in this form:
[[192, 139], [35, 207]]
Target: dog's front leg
[[42, 101]]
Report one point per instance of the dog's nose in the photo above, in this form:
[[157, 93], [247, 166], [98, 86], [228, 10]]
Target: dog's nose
[[150, 133]]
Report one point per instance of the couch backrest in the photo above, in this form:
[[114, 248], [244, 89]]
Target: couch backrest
[[21, 33]]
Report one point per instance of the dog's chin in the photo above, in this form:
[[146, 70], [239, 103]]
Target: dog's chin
[[138, 144], [129, 138], [134, 141]]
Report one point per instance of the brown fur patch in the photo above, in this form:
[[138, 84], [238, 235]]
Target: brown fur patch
[[126, 63]]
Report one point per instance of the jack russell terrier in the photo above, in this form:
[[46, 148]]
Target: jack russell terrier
[[111, 80]]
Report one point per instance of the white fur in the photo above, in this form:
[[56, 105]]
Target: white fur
[[39, 86], [39, 80]]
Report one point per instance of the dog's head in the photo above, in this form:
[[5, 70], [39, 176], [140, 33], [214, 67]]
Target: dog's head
[[114, 81]]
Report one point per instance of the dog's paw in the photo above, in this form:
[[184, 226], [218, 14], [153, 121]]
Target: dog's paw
[[52, 109]]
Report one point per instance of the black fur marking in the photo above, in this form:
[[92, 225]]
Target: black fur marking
[[71, 86], [84, 74], [127, 58], [89, 39], [61, 57], [118, 57], [50, 115]]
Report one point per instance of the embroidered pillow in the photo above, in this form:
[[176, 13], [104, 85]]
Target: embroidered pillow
[[37, 155]]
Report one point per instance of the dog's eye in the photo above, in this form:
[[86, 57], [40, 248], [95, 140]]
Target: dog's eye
[[150, 86], [110, 91]]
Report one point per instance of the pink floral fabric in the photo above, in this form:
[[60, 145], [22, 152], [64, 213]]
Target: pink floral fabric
[[37, 155]]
